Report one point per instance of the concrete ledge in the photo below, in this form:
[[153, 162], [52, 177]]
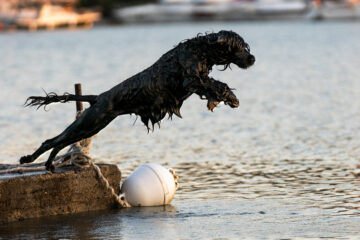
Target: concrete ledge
[[69, 190]]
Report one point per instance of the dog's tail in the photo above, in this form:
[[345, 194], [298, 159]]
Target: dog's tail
[[53, 98]]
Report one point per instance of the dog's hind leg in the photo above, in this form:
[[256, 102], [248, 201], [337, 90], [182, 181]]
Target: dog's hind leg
[[48, 165], [51, 158], [70, 135], [88, 124], [45, 146], [57, 144]]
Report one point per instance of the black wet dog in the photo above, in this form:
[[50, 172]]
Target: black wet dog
[[156, 91]]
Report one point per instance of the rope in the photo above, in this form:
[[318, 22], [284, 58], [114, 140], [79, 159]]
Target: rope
[[119, 199], [176, 178]]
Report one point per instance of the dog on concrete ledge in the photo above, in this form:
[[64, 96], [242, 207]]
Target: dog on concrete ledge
[[156, 91]]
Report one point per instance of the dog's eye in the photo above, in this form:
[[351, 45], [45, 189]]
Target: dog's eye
[[247, 47]]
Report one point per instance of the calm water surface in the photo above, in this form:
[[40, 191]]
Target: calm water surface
[[281, 165]]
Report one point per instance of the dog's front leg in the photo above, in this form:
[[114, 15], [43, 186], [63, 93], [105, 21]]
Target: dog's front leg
[[214, 91]]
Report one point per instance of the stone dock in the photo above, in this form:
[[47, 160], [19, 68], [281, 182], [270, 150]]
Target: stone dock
[[69, 190]]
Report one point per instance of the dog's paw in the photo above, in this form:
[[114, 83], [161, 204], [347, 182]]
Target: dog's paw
[[50, 167], [26, 159], [212, 104]]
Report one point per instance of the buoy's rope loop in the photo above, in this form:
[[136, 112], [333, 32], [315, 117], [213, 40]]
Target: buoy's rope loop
[[176, 178]]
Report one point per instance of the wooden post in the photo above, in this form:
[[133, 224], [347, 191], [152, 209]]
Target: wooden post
[[84, 144], [78, 92]]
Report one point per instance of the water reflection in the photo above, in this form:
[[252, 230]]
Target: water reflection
[[79, 226], [94, 225]]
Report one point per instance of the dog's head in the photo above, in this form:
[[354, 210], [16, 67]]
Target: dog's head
[[228, 47]]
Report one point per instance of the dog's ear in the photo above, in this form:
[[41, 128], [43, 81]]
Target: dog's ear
[[221, 39]]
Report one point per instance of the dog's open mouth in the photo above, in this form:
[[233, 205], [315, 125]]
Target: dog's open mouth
[[233, 104], [211, 104]]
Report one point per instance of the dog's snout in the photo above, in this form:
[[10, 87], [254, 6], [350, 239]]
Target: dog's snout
[[234, 104], [251, 59]]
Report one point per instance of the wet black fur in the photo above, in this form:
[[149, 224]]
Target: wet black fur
[[156, 91]]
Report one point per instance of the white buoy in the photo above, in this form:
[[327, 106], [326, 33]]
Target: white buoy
[[150, 185]]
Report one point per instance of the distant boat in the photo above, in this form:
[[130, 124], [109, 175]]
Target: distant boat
[[52, 16], [189, 10], [335, 11]]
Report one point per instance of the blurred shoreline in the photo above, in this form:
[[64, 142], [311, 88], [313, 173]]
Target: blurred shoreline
[[35, 15]]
